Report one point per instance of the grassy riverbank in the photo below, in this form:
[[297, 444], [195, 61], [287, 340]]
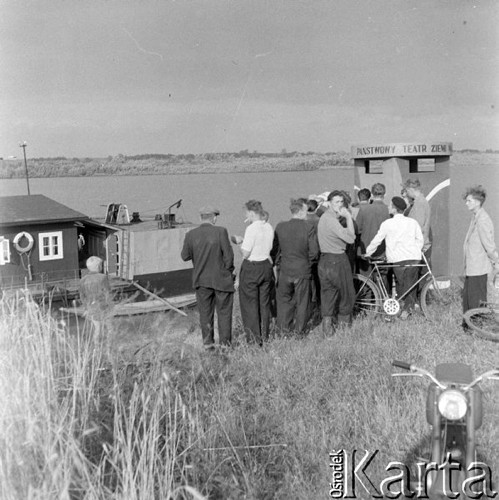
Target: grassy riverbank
[[243, 161], [162, 419]]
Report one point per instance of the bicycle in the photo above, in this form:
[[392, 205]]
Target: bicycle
[[484, 321], [373, 297]]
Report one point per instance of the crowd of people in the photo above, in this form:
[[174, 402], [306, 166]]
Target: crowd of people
[[303, 270], [301, 274]]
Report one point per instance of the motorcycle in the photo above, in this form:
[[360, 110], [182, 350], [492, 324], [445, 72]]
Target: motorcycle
[[454, 410]]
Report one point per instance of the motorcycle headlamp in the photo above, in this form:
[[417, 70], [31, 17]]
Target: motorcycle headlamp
[[452, 404]]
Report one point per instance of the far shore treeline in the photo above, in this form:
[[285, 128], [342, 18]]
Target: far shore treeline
[[243, 161]]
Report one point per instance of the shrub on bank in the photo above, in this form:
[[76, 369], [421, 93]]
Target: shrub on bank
[[171, 164]]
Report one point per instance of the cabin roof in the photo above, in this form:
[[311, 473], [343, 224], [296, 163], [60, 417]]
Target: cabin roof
[[35, 209]]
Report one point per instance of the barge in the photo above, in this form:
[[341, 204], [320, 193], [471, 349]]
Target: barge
[[44, 246]]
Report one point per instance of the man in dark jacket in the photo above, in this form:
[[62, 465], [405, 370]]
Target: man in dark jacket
[[294, 250], [369, 219], [209, 248]]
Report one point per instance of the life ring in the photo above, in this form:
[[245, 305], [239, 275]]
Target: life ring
[[28, 247]]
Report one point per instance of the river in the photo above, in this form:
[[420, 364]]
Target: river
[[152, 194]]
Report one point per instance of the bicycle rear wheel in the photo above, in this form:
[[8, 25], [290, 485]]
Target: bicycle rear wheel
[[367, 296], [484, 322], [438, 296]]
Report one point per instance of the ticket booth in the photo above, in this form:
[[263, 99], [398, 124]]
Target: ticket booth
[[393, 164]]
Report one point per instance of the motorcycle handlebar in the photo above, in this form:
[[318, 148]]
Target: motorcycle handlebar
[[490, 375], [420, 372], [402, 364], [415, 372]]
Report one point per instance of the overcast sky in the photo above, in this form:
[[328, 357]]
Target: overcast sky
[[102, 77]]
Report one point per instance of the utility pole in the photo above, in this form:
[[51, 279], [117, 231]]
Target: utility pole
[[23, 145]]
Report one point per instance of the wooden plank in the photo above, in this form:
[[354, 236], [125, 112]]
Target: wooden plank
[[146, 291], [142, 307]]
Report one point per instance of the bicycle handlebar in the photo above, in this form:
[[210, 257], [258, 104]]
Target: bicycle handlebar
[[370, 258], [381, 262]]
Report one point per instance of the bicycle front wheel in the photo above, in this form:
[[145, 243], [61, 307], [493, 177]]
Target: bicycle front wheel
[[484, 322], [435, 299], [367, 296]]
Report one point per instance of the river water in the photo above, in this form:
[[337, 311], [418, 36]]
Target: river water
[[152, 194]]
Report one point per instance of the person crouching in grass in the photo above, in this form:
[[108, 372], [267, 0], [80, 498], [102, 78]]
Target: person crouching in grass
[[95, 295]]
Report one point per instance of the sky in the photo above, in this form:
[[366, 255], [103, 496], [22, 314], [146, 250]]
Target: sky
[[92, 78]]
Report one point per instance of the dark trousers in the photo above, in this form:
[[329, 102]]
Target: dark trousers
[[208, 300], [273, 298], [293, 302], [255, 287], [406, 276], [316, 285], [337, 290], [315, 294], [474, 291]]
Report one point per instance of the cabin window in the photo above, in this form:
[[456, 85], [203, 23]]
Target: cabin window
[[4, 251], [50, 245]]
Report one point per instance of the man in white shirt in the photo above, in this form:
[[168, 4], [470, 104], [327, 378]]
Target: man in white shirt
[[404, 242]]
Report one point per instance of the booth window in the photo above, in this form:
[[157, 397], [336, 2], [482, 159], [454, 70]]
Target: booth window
[[4, 251], [373, 166], [50, 245], [417, 165]]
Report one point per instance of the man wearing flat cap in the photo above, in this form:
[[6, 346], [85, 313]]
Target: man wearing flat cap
[[209, 248], [420, 210], [404, 243]]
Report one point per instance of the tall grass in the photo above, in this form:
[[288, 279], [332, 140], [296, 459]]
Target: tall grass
[[74, 426], [80, 422]]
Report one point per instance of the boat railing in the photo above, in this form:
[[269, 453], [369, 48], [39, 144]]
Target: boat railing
[[61, 282]]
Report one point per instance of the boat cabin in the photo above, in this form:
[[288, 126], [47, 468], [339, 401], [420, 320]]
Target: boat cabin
[[38, 241]]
